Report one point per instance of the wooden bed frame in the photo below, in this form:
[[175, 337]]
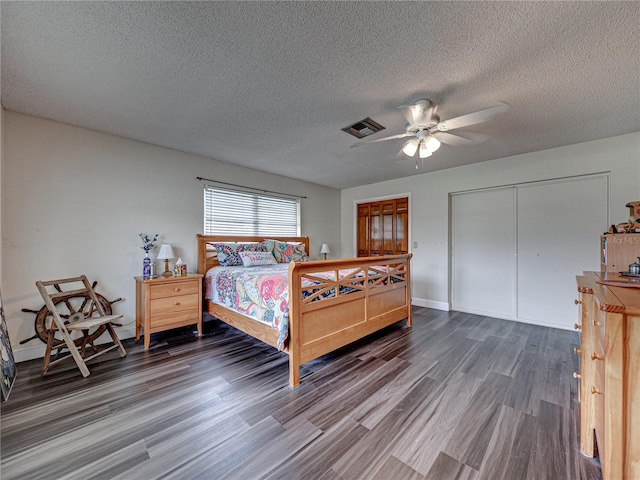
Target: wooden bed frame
[[377, 298]]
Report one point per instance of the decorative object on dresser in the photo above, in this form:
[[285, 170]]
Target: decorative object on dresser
[[79, 321], [166, 254], [609, 380], [164, 303], [324, 250], [179, 268], [147, 245], [330, 303], [618, 251], [632, 225]]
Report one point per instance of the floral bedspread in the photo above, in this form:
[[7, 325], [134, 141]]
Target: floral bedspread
[[261, 293]]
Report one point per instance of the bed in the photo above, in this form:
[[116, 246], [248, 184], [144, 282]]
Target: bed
[[331, 303]]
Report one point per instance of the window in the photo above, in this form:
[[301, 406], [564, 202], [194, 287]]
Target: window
[[232, 212]]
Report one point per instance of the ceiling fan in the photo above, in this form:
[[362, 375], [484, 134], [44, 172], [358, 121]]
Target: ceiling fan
[[428, 131]]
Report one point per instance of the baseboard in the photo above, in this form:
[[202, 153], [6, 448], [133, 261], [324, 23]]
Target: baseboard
[[521, 320], [421, 302], [546, 324]]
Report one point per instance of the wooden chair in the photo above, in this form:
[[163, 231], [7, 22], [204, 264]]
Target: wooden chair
[[76, 321]]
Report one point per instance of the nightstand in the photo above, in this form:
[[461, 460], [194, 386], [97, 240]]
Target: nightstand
[[163, 303]]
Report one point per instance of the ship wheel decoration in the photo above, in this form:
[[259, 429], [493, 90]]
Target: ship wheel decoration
[[72, 308]]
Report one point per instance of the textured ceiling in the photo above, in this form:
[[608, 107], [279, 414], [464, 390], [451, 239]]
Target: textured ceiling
[[269, 85]]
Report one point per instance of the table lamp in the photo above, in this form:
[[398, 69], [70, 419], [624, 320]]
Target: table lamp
[[324, 250], [166, 253]]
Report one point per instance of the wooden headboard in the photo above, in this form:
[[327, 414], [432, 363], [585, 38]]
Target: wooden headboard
[[207, 255]]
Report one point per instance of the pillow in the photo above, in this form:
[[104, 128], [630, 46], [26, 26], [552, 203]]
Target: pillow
[[251, 259], [228, 253], [286, 252]]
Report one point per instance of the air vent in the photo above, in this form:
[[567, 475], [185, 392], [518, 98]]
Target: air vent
[[363, 128]]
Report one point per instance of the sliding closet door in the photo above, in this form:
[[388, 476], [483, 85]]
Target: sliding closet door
[[559, 227], [483, 253]]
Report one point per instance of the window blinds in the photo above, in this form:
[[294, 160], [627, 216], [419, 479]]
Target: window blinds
[[230, 212]]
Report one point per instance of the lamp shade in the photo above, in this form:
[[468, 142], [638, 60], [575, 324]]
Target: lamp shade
[[166, 252], [325, 248], [424, 150], [411, 147], [432, 144]]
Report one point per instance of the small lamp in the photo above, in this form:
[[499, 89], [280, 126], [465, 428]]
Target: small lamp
[[166, 253], [324, 250]]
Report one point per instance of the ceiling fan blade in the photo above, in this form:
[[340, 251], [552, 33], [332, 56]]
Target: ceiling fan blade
[[384, 139], [457, 140], [470, 118]]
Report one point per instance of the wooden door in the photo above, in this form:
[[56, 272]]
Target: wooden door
[[383, 227], [364, 225]]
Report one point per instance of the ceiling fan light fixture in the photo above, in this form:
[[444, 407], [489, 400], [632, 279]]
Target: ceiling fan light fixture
[[411, 147], [432, 144], [424, 150]]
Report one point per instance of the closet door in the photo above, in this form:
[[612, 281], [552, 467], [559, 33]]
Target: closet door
[[483, 253], [559, 227]]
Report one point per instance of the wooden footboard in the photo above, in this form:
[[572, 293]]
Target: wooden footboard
[[331, 303], [329, 314]]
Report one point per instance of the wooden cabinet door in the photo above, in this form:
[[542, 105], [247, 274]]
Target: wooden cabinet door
[[383, 227], [401, 230], [375, 230], [363, 229]]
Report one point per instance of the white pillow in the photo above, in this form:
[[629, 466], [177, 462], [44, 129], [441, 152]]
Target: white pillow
[[251, 259]]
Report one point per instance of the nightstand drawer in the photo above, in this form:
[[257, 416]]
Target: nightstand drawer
[[173, 289], [167, 320], [173, 305]]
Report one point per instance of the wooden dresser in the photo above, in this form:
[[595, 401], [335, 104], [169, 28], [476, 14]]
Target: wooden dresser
[[163, 303], [610, 375]]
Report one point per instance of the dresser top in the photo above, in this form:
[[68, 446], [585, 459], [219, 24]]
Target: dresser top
[[161, 279], [610, 298]]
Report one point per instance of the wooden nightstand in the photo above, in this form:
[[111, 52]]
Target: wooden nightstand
[[163, 303]]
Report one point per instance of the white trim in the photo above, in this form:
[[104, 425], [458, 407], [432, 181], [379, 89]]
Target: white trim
[[421, 302], [536, 182]]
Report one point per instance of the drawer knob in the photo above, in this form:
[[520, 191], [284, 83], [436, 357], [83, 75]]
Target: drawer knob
[[576, 351], [576, 375], [596, 323], [577, 302], [595, 391], [595, 356], [177, 289], [577, 326], [177, 303]]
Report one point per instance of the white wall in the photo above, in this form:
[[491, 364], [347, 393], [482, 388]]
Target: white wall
[[75, 200], [429, 221]]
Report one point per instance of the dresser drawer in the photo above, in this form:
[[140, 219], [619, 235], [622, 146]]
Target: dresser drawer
[[174, 288], [174, 304], [177, 309]]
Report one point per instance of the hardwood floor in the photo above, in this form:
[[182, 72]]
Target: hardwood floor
[[458, 396]]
